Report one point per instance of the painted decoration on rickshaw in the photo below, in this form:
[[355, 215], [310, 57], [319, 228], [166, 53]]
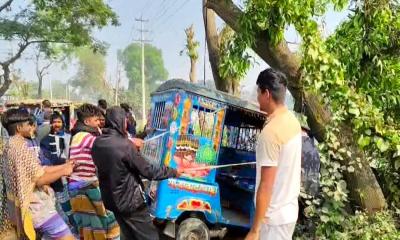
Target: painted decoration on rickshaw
[[173, 127], [218, 129], [194, 128], [187, 105], [174, 196], [194, 152], [202, 123], [194, 205], [192, 187]]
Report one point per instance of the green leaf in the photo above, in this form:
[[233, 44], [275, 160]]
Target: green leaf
[[363, 141], [382, 145], [397, 152], [342, 185], [355, 111], [324, 219], [397, 164]]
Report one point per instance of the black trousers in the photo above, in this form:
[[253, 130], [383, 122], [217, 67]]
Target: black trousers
[[137, 226]]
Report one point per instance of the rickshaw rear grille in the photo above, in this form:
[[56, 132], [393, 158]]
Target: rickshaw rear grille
[[153, 149]]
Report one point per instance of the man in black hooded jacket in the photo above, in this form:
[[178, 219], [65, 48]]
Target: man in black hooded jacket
[[120, 167]]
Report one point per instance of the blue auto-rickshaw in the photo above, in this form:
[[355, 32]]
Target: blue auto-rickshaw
[[197, 128]]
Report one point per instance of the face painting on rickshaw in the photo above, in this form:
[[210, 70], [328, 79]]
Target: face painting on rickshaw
[[185, 156]]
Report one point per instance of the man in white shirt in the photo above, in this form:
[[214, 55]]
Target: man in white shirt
[[278, 156]]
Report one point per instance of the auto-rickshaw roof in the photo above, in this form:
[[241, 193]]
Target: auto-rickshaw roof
[[230, 100]]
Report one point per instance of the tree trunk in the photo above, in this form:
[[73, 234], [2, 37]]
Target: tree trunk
[[39, 75], [6, 67], [235, 87], [192, 74], [40, 86], [213, 46], [362, 182], [6, 79], [363, 186]]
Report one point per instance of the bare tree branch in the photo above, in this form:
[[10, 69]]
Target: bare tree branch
[[45, 67], [5, 5], [40, 72], [22, 47], [6, 64]]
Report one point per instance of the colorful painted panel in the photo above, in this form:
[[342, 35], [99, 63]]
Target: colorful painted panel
[[194, 130], [193, 152], [175, 196]]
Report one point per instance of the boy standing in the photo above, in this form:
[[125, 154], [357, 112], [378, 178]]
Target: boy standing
[[92, 219], [278, 156], [30, 202]]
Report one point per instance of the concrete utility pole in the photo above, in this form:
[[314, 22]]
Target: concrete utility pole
[[51, 89], [67, 91], [142, 41]]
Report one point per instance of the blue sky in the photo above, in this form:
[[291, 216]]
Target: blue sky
[[167, 21]]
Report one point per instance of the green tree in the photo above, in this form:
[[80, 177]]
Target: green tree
[[191, 51], [90, 79], [233, 65], [348, 87], [46, 23], [154, 69]]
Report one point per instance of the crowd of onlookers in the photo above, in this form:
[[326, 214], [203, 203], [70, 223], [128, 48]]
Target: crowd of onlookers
[[87, 183], [83, 183]]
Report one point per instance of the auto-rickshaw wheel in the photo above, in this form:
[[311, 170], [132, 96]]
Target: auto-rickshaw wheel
[[193, 229]]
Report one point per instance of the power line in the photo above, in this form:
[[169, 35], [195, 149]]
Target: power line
[[130, 34], [160, 8], [159, 17], [171, 15], [147, 6]]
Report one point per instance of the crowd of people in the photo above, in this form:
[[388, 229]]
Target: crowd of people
[[88, 185], [79, 184]]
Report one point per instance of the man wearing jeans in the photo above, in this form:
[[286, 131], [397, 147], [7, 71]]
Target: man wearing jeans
[[278, 156]]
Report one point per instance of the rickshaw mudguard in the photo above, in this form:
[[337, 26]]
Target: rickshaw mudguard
[[176, 197]]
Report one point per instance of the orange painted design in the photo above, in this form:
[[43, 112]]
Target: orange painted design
[[218, 127], [194, 205], [183, 205], [185, 116]]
